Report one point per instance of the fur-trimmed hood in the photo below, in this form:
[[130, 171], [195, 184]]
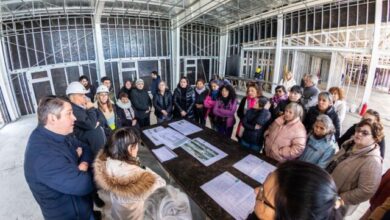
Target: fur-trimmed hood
[[124, 179]]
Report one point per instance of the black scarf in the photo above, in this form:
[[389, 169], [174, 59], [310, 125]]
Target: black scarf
[[225, 100]]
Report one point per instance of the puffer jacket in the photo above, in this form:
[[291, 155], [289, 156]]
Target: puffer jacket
[[225, 112], [141, 103], [312, 114], [285, 141], [129, 186], [319, 151], [251, 118], [162, 102], [189, 102]]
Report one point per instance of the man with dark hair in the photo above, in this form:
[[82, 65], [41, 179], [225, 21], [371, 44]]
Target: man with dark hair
[[155, 81], [91, 90], [105, 80], [56, 165]]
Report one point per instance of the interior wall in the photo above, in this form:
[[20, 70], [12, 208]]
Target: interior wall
[[199, 51], [49, 51], [301, 65]]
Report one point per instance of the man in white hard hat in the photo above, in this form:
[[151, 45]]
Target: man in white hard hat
[[86, 127]]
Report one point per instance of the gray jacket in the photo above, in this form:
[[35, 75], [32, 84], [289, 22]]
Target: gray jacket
[[358, 176]]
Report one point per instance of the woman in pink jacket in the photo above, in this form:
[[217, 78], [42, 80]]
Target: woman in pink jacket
[[224, 109], [285, 139], [210, 100]]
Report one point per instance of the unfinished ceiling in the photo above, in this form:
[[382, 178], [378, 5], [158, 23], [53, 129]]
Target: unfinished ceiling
[[212, 12]]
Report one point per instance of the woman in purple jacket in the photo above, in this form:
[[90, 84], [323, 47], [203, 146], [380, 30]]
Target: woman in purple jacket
[[224, 110]]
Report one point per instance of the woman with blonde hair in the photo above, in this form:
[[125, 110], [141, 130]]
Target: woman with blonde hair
[[107, 115], [339, 103], [288, 80]]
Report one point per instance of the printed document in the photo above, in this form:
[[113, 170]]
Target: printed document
[[164, 153], [152, 134], [233, 195], [203, 151], [185, 127], [254, 167], [171, 138]]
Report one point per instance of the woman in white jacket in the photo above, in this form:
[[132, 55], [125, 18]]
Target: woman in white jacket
[[118, 171], [340, 106], [288, 81]]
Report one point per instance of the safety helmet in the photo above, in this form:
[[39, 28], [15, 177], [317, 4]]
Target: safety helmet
[[102, 89], [75, 88]]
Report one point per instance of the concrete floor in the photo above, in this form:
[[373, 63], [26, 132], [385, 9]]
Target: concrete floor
[[17, 202]]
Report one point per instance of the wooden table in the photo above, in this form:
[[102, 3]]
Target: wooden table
[[190, 174]]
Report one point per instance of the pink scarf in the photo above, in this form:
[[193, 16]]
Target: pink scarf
[[250, 102]]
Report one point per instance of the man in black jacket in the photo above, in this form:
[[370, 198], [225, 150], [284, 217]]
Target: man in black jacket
[[155, 81], [142, 103], [87, 127]]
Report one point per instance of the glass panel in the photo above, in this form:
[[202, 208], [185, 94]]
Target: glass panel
[[41, 89], [191, 72], [38, 75]]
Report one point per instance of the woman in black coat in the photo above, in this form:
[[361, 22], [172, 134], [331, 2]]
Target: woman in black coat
[[294, 95], [201, 93], [184, 100], [255, 122], [324, 106], [126, 88], [162, 102], [142, 103]]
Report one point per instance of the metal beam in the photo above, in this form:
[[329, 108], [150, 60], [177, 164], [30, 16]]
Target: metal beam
[[223, 47], [175, 54], [101, 69], [282, 10], [198, 9], [278, 51], [374, 52], [6, 87]]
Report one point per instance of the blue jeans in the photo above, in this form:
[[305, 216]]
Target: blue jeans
[[249, 146]]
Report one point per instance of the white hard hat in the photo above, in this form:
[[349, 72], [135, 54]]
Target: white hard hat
[[101, 89], [75, 88]]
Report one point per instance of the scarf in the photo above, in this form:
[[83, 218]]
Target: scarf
[[110, 117], [277, 99], [250, 102], [214, 95], [225, 101], [199, 91]]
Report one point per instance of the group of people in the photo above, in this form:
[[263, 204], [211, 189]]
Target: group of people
[[90, 140]]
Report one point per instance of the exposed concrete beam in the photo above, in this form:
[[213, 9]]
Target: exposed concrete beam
[[282, 10], [195, 11]]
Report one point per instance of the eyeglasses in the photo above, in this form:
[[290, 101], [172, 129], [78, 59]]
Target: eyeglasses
[[261, 197], [362, 132]]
